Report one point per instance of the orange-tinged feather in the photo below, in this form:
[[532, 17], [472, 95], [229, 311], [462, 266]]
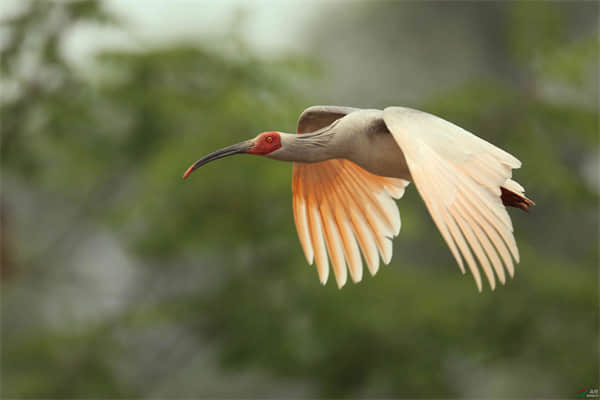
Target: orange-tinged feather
[[351, 250], [362, 231], [334, 246], [316, 235], [300, 219], [359, 227], [367, 186], [371, 211], [332, 238], [362, 227], [350, 247]]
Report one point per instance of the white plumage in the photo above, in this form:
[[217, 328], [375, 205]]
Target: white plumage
[[457, 174], [351, 164]]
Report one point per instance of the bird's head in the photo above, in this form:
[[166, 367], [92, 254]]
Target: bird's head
[[263, 144]]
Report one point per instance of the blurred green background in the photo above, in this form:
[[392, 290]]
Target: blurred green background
[[119, 279]]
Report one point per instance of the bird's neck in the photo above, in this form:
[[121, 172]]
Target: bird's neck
[[307, 147]]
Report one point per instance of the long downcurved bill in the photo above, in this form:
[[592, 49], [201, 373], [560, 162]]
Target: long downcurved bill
[[238, 148]]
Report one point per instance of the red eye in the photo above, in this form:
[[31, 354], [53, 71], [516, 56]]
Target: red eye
[[269, 139]]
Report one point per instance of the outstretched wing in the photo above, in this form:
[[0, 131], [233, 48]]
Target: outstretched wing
[[340, 209], [459, 176]]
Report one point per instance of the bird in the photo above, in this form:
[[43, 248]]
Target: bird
[[350, 164]]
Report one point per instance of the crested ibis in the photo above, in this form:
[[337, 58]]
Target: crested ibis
[[349, 165]]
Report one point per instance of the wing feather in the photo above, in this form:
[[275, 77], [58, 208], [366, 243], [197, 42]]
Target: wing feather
[[348, 210], [317, 239], [383, 218], [342, 221], [492, 228], [487, 245], [365, 239], [459, 177], [499, 218], [332, 235], [300, 216], [374, 207], [467, 227], [481, 200], [377, 225], [514, 186], [441, 220], [361, 229], [350, 246], [334, 245]]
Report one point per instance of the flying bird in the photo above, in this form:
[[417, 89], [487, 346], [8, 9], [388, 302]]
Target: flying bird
[[349, 166]]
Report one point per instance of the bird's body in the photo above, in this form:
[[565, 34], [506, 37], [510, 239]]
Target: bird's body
[[351, 163], [360, 136]]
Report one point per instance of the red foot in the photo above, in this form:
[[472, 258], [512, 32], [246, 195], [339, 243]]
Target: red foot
[[513, 199]]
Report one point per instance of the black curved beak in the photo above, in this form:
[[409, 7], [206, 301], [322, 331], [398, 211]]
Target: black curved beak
[[238, 148]]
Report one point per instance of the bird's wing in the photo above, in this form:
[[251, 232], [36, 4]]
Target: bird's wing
[[459, 176], [339, 208], [317, 117]]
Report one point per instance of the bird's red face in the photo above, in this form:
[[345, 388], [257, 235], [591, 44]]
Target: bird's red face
[[265, 143]]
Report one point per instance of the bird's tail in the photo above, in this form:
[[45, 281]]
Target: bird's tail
[[513, 196]]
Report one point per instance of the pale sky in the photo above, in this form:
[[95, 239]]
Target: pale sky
[[269, 26]]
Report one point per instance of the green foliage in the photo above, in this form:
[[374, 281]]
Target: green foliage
[[113, 147]]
